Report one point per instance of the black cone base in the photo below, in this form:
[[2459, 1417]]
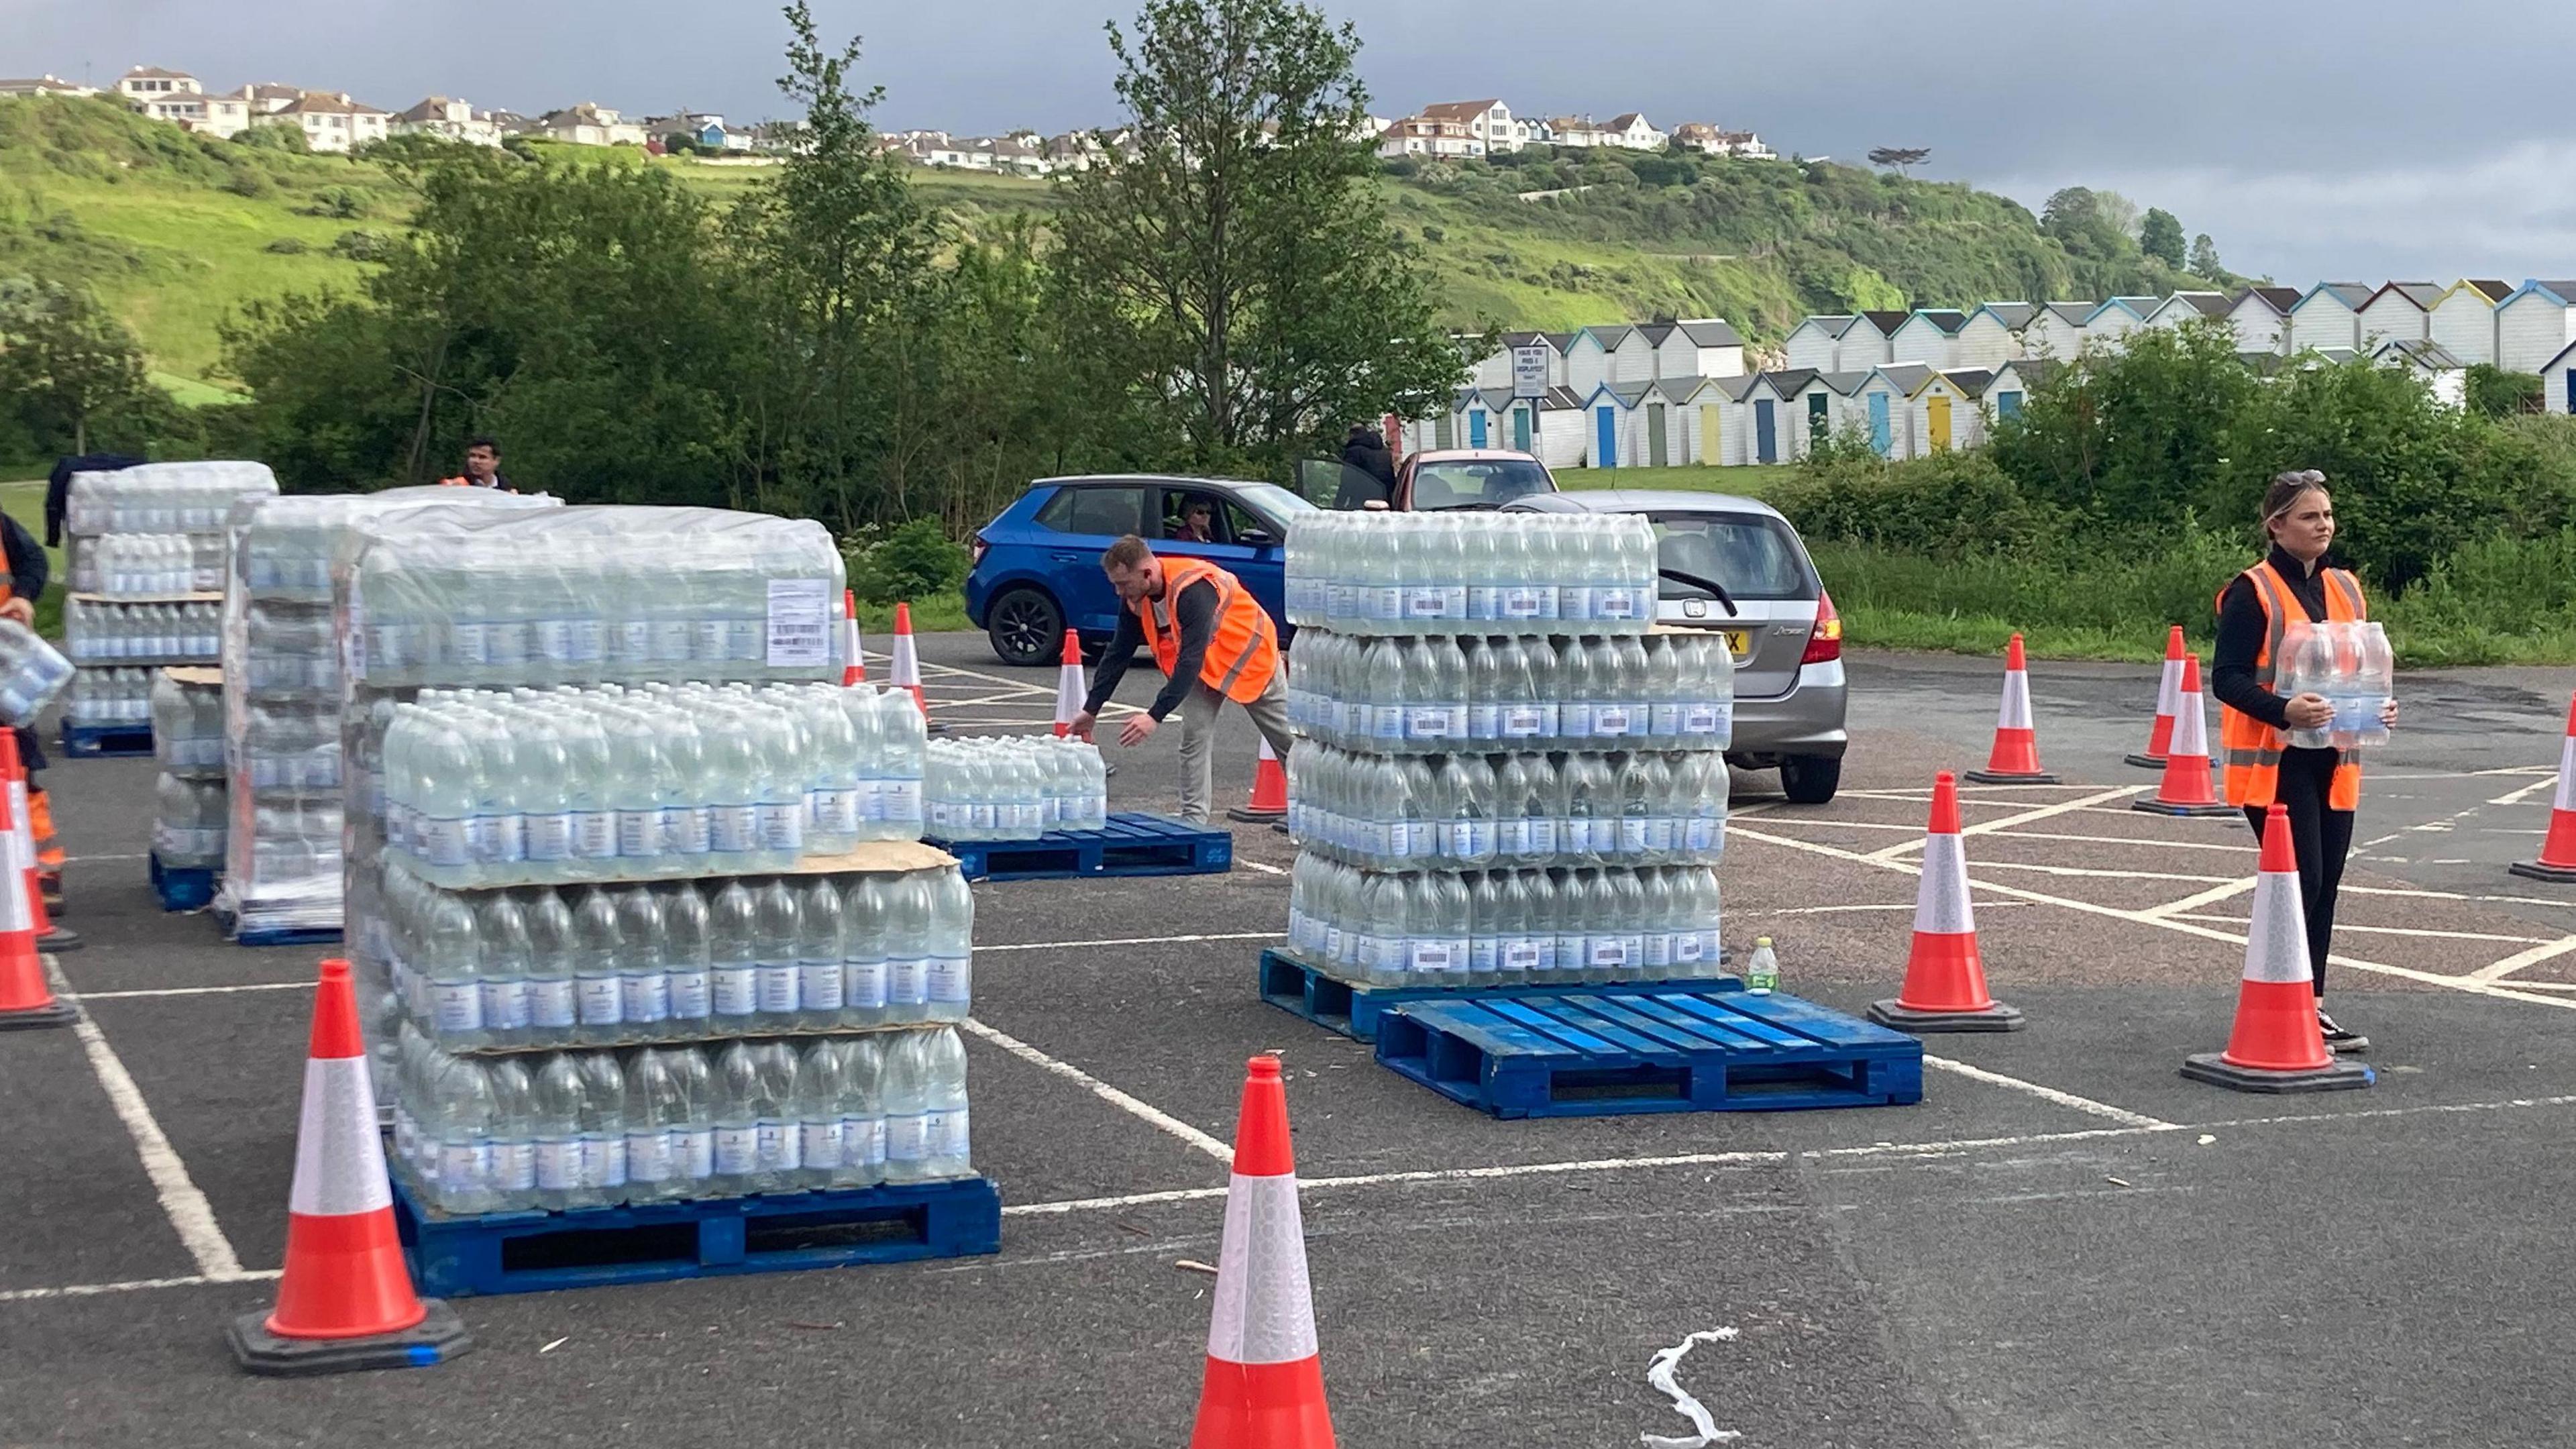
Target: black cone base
[[2211, 811], [434, 1340], [59, 940], [2541, 870], [1997, 1017], [2340, 1076], [1244, 816], [1989, 777], [57, 1014], [2143, 762]]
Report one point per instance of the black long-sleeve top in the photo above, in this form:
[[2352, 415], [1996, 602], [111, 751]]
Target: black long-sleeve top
[[2241, 627], [1193, 616]]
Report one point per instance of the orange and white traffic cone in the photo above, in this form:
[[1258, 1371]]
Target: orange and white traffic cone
[[1265, 1377], [22, 849], [1071, 689], [2015, 758], [854, 655], [2277, 1044], [1945, 975], [345, 1301], [2168, 700], [903, 668], [26, 1000], [2186, 789], [2557, 860], [1269, 801]]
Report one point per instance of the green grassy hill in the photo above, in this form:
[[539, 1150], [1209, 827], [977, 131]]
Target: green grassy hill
[[176, 231]]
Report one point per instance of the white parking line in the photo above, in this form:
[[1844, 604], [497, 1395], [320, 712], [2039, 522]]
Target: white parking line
[[190, 1215], [2516, 797], [1133, 1106], [2379, 930], [2498, 970], [2209, 897], [2051, 1094], [2133, 840], [2042, 812], [2073, 870]]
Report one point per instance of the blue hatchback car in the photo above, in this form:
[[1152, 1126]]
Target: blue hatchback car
[[1037, 564]]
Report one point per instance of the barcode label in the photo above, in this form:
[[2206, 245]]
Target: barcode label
[[800, 615]]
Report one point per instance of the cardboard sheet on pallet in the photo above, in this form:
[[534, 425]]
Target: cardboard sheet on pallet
[[192, 596], [196, 676], [871, 857]]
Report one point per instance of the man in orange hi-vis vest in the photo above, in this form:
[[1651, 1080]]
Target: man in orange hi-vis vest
[[1213, 642], [482, 467]]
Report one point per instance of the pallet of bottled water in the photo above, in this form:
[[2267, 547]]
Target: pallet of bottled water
[[101, 631], [190, 816], [2352, 667], [162, 498], [1530, 810], [1670, 691], [606, 782], [189, 820], [187, 716], [886, 943], [152, 566], [1374, 573], [1018, 787], [32, 672], [1505, 928]]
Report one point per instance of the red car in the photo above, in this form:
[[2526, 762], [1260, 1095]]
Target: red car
[[1483, 478]]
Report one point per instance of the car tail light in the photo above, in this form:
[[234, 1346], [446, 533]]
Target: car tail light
[[975, 549], [1825, 641]]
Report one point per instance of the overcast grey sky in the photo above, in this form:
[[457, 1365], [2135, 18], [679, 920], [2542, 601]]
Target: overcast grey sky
[[2347, 141]]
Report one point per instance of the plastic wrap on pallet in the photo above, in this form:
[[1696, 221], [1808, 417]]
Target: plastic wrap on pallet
[[110, 699], [163, 497], [32, 672], [188, 824], [1014, 788], [188, 723], [1471, 573], [1673, 691], [1504, 927], [1527, 810], [125, 633], [282, 694]]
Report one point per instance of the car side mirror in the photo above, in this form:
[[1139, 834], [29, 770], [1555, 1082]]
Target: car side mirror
[[1255, 538], [1375, 505]]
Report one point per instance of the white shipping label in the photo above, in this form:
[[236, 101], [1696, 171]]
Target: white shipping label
[[800, 623], [1520, 955], [1609, 953]]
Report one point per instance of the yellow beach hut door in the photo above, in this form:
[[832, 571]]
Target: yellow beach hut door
[[1939, 409]]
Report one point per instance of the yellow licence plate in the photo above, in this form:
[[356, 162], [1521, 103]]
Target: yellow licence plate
[[1739, 642]]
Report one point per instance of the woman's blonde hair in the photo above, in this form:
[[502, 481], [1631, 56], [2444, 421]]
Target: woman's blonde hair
[[2285, 492]]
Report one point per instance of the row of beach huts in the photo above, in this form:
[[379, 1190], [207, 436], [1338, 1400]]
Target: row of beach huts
[[1676, 393]]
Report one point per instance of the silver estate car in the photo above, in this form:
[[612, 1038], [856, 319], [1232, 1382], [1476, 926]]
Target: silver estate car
[[1786, 639]]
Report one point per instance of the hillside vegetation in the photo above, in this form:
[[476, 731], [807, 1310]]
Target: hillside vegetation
[[175, 232]]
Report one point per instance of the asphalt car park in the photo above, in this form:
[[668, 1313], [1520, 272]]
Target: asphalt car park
[[2064, 1244]]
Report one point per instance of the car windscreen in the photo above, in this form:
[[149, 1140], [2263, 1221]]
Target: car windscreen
[[1753, 555], [1273, 500], [1477, 482]]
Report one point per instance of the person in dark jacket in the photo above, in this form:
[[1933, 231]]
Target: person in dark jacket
[[1368, 469], [58, 486], [25, 582]]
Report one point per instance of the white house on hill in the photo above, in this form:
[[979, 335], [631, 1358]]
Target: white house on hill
[[2184, 307], [332, 123], [2118, 317], [1487, 121], [2446, 375], [45, 85], [450, 117]]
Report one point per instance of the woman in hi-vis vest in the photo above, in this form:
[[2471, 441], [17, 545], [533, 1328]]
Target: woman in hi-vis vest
[[2320, 788]]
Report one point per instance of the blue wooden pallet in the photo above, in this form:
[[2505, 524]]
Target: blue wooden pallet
[[530, 1252], [1133, 843], [1354, 1010], [105, 741], [287, 936], [1586, 1056], [182, 887]]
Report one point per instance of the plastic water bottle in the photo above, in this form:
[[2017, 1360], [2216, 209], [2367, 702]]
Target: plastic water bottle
[[644, 986], [821, 1083], [946, 1136], [908, 949], [863, 1123], [951, 946], [822, 977], [1762, 973], [904, 1088], [777, 939]]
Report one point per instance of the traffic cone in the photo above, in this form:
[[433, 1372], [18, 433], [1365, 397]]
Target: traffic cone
[[1269, 790], [1945, 977], [26, 1001], [2186, 789], [2168, 699], [903, 670], [22, 845], [854, 669], [1071, 689], [2015, 757], [1265, 1381], [2277, 1045], [345, 1301], [2558, 852]]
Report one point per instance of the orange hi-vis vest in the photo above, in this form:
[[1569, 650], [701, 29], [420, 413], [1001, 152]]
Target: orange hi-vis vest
[[1241, 657], [2250, 750]]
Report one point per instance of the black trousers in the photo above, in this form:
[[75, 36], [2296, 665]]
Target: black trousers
[[2322, 836]]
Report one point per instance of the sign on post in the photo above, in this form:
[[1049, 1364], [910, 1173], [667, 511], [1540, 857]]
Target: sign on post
[[1529, 370]]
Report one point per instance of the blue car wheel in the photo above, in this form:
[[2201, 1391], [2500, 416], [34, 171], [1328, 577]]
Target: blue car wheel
[[1026, 627]]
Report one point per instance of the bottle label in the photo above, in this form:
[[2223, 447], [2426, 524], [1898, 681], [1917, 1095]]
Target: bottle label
[[1471, 839], [671, 641], [943, 817], [514, 1167], [695, 1148], [1574, 719], [1699, 719], [648, 1157], [778, 1146], [951, 978], [1542, 836], [459, 1006], [1611, 719], [584, 641], [777, 989], [1614, 603], [1484, 955], [819, 1145], [600, 1001], [1430, 603], [1664, 720], [1685, 947], [1575, 835], [1659, 949], [685, 829], [1520, 956], [782, 825], [1485, 721], [1705, 833], [594, 834], [1427, 722], [1660, 833], [1511, 836], [905, 1141], [508, 642], [1573, 602], [863, 985], [1431, 955], [445, 841], [1520, 603], [951, 1141], [633, 642], [639, 833], [903, 802], [689, 997], [550, 836], [467, 643], [554, 640], [734, 829], [1388, 723], [1633, 833], [551, 1006], [1609, 953], [505, 838], [645, 997], [711, 641], [464, 1167], [838, 811], [505, 1005], [863, 1142], [907, 981], [737, 1151], [1483, 601], [559, 1164], [819, 985]]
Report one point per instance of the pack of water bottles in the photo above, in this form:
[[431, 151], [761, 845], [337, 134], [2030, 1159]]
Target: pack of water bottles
[[1014, 787], [109, 699], [32, 672], [1505, 927], [575, 783], [189, 822], [457, 598], [163, 498], [187, 712], [2352, 667], [583, 1129], [1471, 573], [151, 565], [1662, 691], [104, 631], [514, 970], [1473, 811]]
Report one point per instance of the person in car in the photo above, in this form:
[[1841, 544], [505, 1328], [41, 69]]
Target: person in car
[[1198, 522]]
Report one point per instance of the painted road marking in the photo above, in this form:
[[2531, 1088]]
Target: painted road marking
[[2498, 970], [2042, 812], [2051, 1094], [2209, 897], [2378, 930], [1135, 1107]]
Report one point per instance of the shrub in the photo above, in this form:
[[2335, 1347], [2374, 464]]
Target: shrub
[[915, 561], [246, 181], [2496, 393], [362, 246], [287, 246], [1947, 506]]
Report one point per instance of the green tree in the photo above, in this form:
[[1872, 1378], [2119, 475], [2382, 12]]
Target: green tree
[[2160, 236], [67, 364], [2495, 393], [2135, 437], [2204, 258], [1238, 261]]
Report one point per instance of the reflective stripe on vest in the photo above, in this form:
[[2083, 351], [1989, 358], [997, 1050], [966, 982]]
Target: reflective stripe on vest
[[2249, 749], [1243, 648]]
